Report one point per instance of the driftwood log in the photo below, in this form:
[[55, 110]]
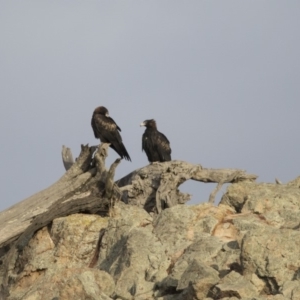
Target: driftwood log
[[87, 186]]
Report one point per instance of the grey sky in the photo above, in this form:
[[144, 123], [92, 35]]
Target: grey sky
[[221, 78]]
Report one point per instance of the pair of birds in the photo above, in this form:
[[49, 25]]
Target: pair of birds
[[154, 143]]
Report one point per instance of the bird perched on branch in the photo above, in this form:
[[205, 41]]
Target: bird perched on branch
[[106, 129], [154, 143]]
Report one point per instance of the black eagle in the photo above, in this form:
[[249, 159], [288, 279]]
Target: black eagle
[[154, 143], [106, 129]]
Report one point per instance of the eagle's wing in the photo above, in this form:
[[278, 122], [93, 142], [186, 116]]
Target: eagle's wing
[[163, 147], [106, 129]]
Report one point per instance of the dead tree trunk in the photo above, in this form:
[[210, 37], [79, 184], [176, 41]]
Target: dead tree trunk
[[155, 186], [78, 190], [88, 187]]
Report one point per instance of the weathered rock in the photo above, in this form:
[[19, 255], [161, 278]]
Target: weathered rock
[[278, 204], [248, 221], [176, 227], [191, 239], [246, 248], [257, 282], [208, 218], [290, 289], [295, 293], [269, 297], [204, 249], [76, 237], [179, 226], [87, 284], [56, 261], [273, 254], [198, 271], [198, 279], [277, 297], [130, 252], [140, 254], [235, 285]]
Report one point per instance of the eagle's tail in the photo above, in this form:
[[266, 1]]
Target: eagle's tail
[[121, 150], [124, 152]]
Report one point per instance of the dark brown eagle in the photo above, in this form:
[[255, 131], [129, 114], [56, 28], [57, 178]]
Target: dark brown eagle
[[106, 129], [154, 143]]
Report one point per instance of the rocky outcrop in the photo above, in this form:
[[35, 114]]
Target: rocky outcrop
[[245, 248]]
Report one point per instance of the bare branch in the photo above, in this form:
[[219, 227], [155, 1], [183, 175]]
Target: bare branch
[[110, 183], [213, 194], [100, 157], [67, 157]]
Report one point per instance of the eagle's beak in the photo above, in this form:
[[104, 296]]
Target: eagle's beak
[[142, 124], [107, 114]]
